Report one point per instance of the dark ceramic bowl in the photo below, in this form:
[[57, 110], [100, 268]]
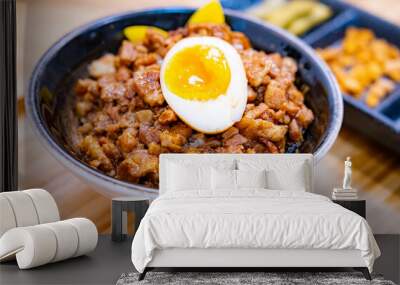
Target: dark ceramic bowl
[[50, 92]]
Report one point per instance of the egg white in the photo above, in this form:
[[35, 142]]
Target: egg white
[[214, 115]]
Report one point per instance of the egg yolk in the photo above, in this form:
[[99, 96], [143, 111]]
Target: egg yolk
[[198, 73]]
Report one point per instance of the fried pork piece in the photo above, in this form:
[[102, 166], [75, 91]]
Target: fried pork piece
[[138, 164], [168, 116], [294, 130], [254, 112], [147, 59], [175, 138], [275, 95], [251, 94], [136, 55], [102, 66], [123, 74], [144, 116], [295, 96], [154, 148], [270, 131], [82, 108], [207, 29], [84, 86], [257, 65], [172, 141], [182, 129], [304, 117], [291, 108], [113, 91], [288, 69], [230, 149], [85, 128], [147, 85], [230, 133], [128, 140], [106, 79], [128, 53], [154, 39], [258, 128], [235, 140], [92, 149], [109, 148], [272, 148], [240, 41], [149, 134], [161, 45]]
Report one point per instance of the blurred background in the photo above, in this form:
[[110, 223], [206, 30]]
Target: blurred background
[[376, 159]]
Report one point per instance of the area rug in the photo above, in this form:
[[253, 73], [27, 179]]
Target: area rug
[[244, 278]]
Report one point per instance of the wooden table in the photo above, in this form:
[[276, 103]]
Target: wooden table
[[376, 171]]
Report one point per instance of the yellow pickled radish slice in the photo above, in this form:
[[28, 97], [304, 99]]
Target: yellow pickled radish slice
[[136, 34], [209, 13]]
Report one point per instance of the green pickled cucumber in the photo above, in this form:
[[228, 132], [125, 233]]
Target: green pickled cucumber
[[284, 15], [319, 14]]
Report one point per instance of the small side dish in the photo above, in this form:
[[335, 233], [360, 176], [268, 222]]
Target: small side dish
[[200, 88], [298, 17], [365, 66]]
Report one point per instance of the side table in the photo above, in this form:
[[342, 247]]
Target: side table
[[122, 205], [357, 206]]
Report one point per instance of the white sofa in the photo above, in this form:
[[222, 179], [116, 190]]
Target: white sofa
[[31, 231]]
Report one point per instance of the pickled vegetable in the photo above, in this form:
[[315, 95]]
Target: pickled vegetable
[[318, 14], [136, 34], [297, 16], [211, 13]]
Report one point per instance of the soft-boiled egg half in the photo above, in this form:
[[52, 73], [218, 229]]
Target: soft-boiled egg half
[[203, 80]]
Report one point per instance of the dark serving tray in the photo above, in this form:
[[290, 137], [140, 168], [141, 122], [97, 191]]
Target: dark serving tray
[[381, 123]]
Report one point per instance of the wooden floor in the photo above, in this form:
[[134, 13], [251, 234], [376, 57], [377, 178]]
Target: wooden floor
[[376, 172], [110, 259]]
